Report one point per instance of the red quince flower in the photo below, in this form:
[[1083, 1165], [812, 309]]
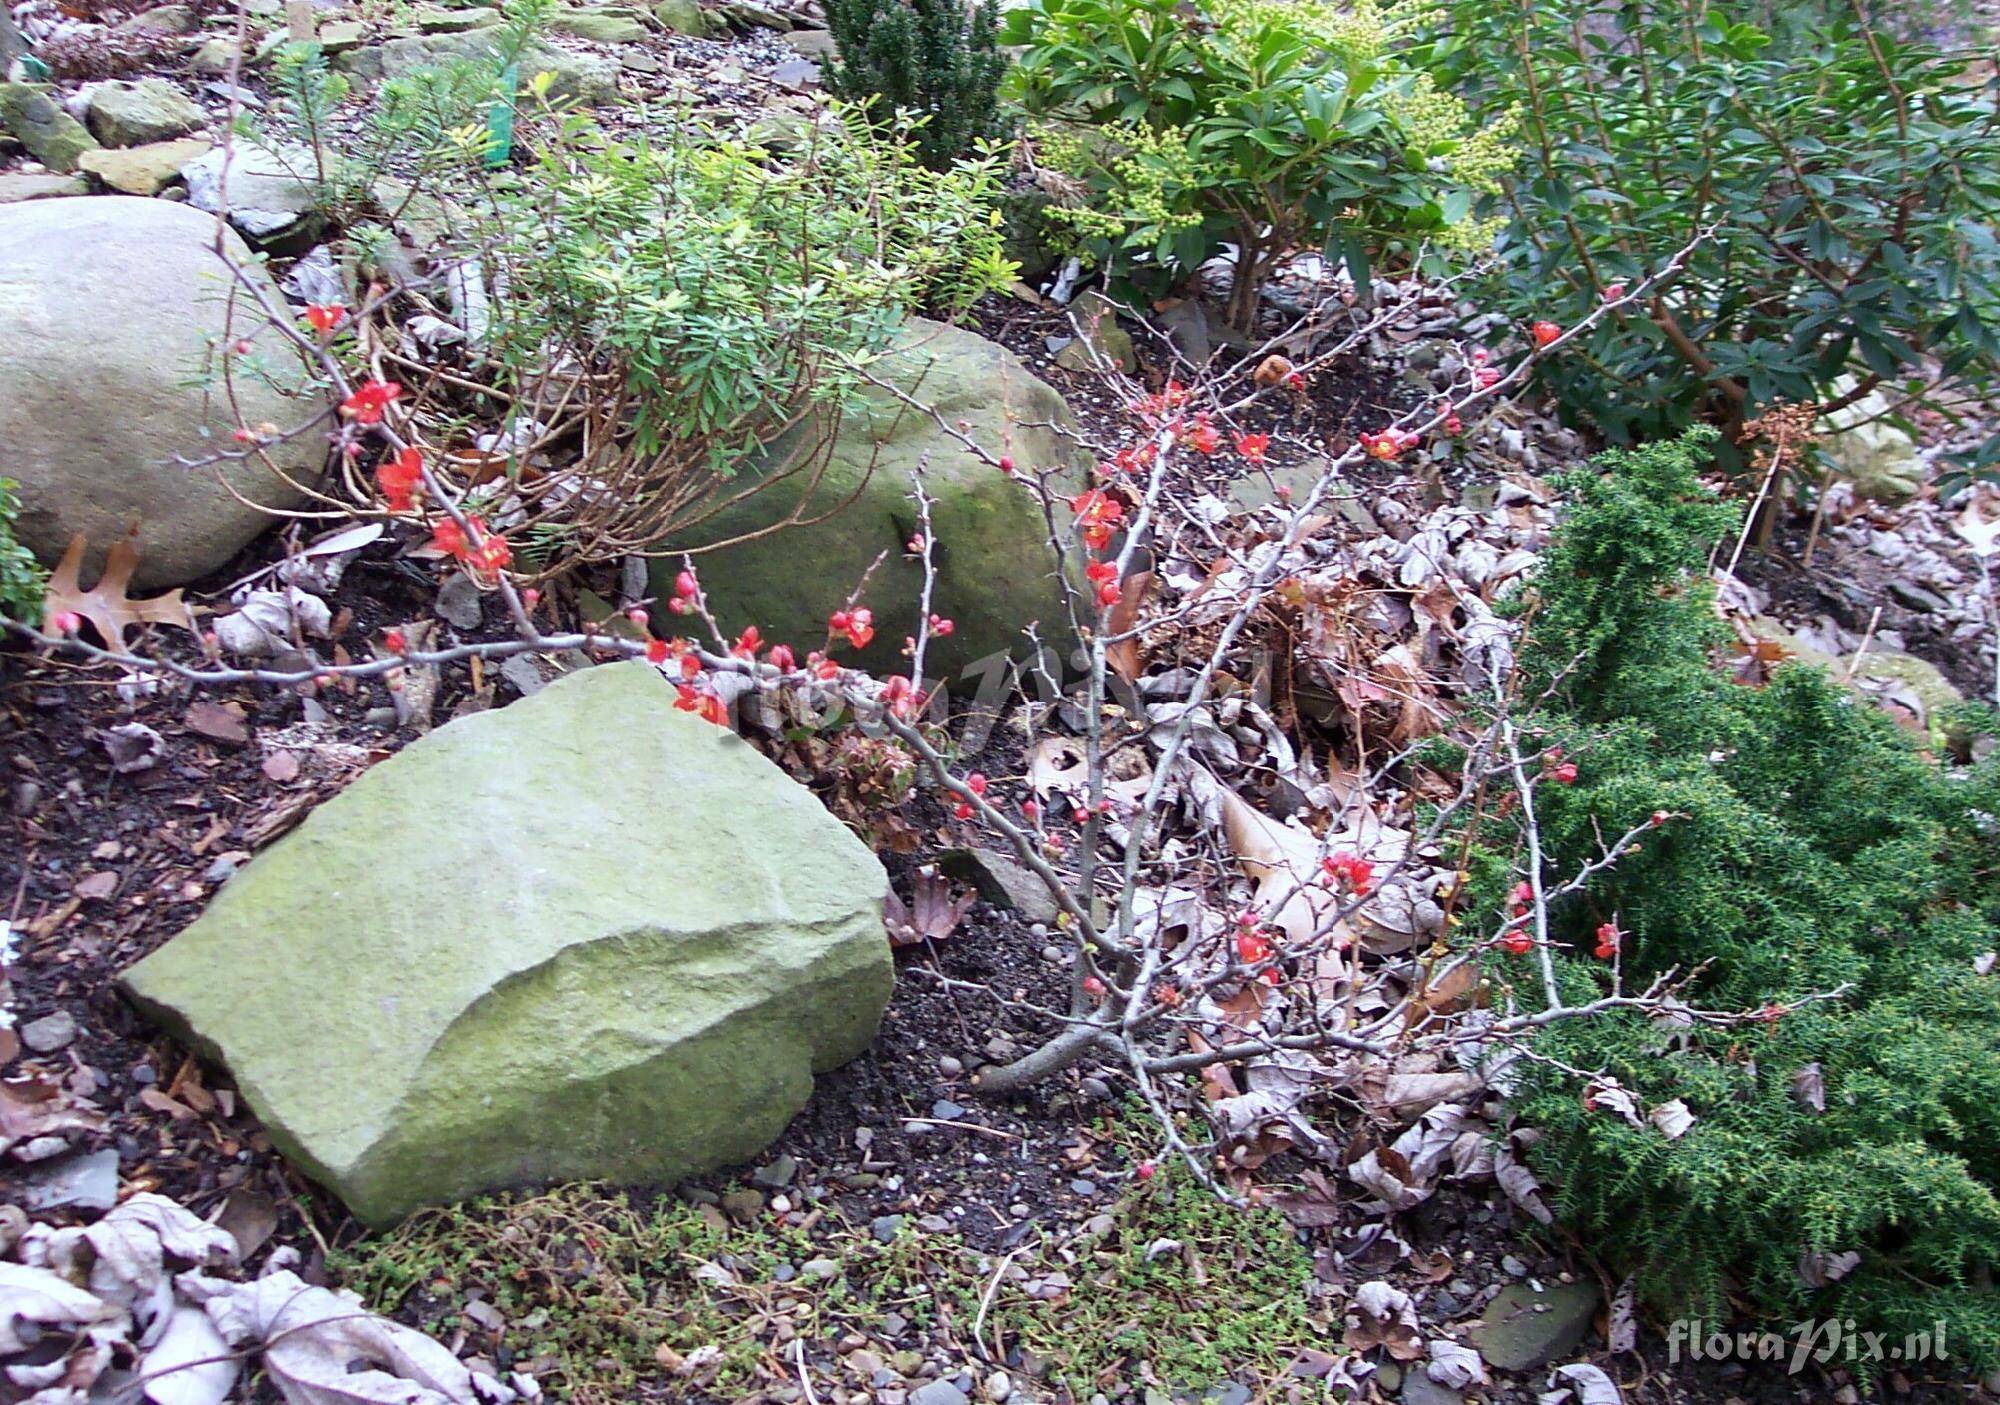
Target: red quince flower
[[1203, 436], [399, 478], [657, 651], [324, 317], [1358, 872], [1518, 942], [1099, 515], [369, 400], [1608, 937], [1545, 333], [1253, 446], [1388, 444], [782, 658]]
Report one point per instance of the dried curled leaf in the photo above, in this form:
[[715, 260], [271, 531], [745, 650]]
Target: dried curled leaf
[[110, 611]]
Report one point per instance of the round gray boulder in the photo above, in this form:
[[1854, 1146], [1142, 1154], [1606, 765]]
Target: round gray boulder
[[108, 307]]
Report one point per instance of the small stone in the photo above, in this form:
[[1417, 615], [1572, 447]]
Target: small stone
[[1388, 1375], [998, 1386], [951, 1067], [432, 20], [142, 170], [138, 113], [52, 136], [1524, 1328], [17, 188], [1082, 1187], [885, 1228], [1513, 1267], [1096, 1088], [1055, 956], [938, 1393], [458, 601], [601, 26], [776, 1173], [1420, 1389], [819, 1268], [907, 1363], [945, 1110], [79, 1183], [1228, 1393], [785, 1273], [342, 35], [894, 1325], [682, 17], [1444, 1305], [1000, 880], [49, 1033], [743, 1205], [162, 19]]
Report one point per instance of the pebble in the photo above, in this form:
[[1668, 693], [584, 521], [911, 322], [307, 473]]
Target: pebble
[[819, 1268], [785, 1273], [743, 1204], [1084, 1187], [999, 1386], [886, 1227], [950, 1067], [221, 871], [894, 1325], [80, 1183], [776, 1174], [1054, 955], [1038, 929], [945, 1110], [143, 1075], [938, 1393], [1513, 1266], [49, 1033], [1096, 1088], [1019, 1209]]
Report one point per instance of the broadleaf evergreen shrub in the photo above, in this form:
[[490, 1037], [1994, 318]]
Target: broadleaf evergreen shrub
[[1851, 177], [1814, 846], [1258, 125], [930, 58]]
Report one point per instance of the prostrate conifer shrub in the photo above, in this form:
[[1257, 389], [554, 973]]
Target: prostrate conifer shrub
[[933, 59], [1812, 848]]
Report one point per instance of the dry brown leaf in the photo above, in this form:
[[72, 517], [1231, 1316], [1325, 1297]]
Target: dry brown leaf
[[1285, 863], [110, 611], [1125, 657], [221, 722]]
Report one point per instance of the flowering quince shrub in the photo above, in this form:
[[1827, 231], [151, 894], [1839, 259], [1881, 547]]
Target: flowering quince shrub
[[1795, 843], [1851, 178], [1260, 124]]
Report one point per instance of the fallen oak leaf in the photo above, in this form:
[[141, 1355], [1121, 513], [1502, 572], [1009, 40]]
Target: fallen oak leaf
[[106, 604]]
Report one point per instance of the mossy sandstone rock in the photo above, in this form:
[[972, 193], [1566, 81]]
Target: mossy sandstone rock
[[95, 401], [995, 571], [587, 936]]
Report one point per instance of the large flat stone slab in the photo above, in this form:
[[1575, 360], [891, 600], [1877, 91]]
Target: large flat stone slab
[[588, 936]]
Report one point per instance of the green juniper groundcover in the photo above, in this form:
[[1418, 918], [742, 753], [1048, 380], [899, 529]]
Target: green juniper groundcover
[[1813, 847]]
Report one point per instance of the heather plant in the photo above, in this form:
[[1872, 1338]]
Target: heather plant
[[932, 59], [1811, 864], [1254, 125], [1847, 176]]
